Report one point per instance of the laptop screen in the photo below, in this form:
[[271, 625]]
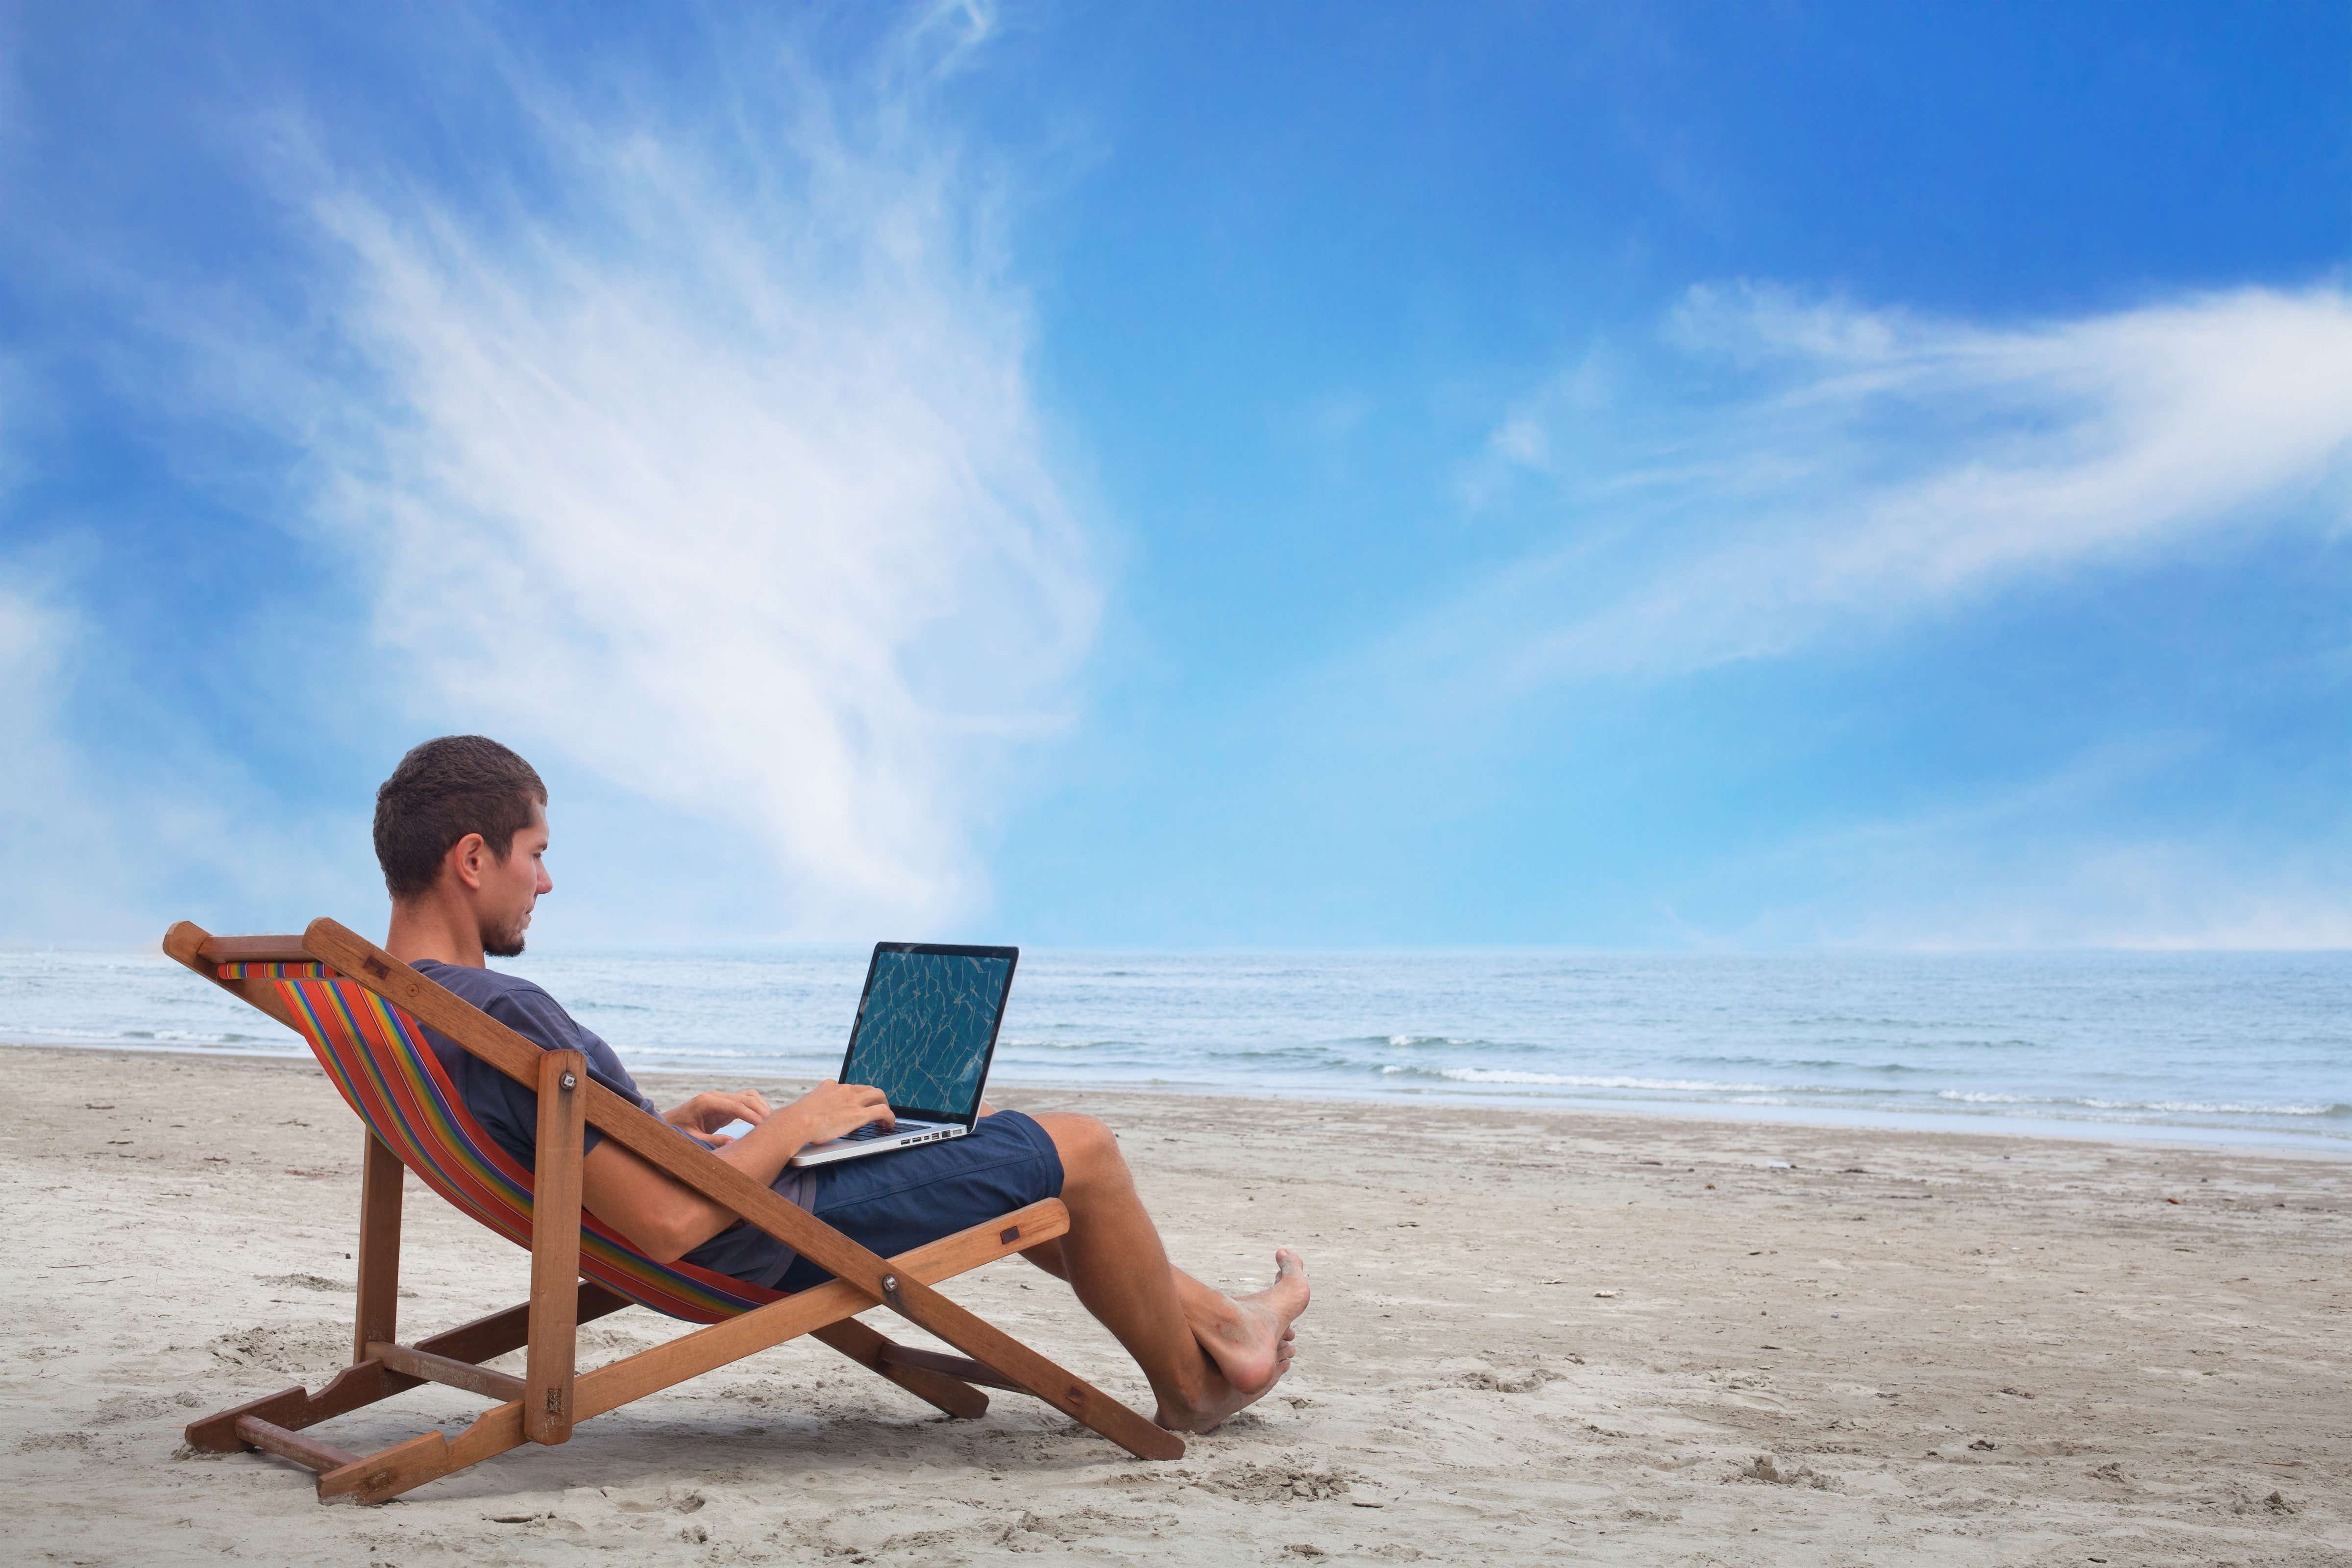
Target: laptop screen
[[927, 1027]]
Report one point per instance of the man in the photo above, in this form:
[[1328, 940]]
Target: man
[[461, 833]]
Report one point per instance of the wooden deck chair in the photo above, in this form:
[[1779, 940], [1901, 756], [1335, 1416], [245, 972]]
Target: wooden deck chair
[[358, 1008]]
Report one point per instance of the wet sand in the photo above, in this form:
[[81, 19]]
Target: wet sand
[[1536, 1336]]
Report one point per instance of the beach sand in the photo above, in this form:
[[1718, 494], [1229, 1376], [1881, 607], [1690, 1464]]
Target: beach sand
[[1536, 1336]]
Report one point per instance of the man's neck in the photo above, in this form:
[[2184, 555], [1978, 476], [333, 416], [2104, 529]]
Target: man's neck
[[429, 927]]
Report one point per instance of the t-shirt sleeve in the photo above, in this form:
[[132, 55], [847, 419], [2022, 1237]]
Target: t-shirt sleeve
[[538, 1017]]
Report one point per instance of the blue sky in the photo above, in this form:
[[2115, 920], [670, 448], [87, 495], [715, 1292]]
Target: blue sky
[[1311, 476]]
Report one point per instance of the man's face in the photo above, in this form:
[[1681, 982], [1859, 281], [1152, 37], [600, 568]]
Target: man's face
[[510, 889]]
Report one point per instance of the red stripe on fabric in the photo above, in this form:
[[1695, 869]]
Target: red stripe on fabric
[[377, 1059]]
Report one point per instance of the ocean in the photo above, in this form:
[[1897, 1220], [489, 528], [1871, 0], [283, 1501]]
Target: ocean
[[2241, 1048]]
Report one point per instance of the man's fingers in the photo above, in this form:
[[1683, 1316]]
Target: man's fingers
[[856, 1104]]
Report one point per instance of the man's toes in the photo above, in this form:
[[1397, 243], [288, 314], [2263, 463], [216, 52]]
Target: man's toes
[[1290, 1292]]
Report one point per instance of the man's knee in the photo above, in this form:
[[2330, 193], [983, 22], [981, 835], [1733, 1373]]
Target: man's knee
[[1088, 1150]]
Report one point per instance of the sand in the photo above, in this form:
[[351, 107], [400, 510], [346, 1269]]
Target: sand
[[1536, 1336]]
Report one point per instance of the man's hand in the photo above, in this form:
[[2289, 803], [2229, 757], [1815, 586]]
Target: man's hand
[[699, 1118], [665, 1219], [836, 1109]]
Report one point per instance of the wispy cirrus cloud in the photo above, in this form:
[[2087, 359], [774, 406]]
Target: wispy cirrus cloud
[[1841, 470], [2043, 863], [45, 826], [109, 839], [1788, 491], [680, 435]]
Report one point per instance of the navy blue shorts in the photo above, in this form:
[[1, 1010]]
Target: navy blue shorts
[[889, 1202]]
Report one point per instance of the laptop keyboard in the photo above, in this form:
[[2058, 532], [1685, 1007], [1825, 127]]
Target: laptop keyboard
[[875, 1129]]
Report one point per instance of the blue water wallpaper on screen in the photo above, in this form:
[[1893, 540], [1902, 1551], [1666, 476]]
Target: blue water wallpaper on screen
[[922, 1033]]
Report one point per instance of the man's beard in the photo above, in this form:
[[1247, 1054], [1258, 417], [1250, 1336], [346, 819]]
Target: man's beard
[[507, 943]]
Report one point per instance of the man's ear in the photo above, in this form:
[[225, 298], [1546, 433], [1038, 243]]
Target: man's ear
[[465, 861]]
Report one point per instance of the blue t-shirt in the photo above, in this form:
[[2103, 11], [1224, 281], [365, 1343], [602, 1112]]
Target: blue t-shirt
[[509, 1112]]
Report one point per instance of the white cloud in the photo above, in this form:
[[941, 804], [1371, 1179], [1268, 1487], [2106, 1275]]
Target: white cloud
[[59, 854], [1874, 464], [112, 845], [703, 466], [2042, 865], [47, 824], [1808, 480]]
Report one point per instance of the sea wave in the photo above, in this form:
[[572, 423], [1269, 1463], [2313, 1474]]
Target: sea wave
[[43, 1032], [2159, 1107], [1573, 1080], [185, 1037], [1812, 1064], [2239, 1044], [690, 1052]]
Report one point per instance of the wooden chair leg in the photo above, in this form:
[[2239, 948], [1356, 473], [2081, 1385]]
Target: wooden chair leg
[[555, 1248], [381, 1176], [870, 1349], [380, 1477], [371, 1381]]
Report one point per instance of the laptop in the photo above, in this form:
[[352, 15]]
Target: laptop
[[925, 1033]]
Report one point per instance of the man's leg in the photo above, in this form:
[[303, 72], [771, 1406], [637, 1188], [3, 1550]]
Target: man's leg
[[1207, 1354]]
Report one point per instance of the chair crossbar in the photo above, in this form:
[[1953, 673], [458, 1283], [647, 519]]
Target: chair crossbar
[[953, 1366], [446, 1371], [368, 1382], [286, 1445], [253, 950]]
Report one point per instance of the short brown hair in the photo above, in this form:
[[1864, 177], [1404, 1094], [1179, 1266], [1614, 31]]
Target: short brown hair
[[442, 791]]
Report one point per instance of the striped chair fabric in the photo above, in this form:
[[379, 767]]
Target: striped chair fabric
[[378, 1059]]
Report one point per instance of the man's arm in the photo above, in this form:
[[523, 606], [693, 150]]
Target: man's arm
[[701, 1117], [665, 1219]]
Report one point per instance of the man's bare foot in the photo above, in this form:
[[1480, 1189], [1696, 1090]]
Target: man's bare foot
[[1251, 1341]]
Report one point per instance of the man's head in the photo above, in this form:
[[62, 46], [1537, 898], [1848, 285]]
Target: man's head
[[463, 820]]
